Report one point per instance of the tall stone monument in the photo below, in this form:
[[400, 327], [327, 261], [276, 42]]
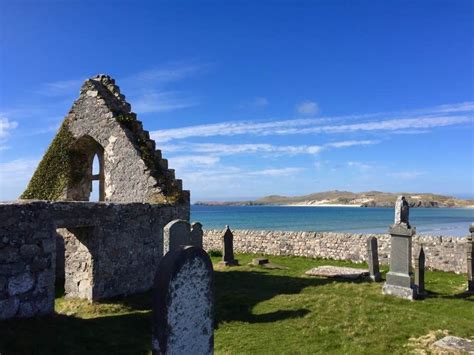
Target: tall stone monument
[[183, 303], [373, 259], [470, 260], [400, 277], [228, 249], [420, 271]]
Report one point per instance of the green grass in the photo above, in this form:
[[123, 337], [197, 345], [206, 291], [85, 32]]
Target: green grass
[[261, 311]]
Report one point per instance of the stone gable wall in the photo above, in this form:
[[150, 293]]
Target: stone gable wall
[[442, 253]]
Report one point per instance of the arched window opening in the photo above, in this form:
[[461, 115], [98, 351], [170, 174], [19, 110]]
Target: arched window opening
[[88, 171], [96, 180]]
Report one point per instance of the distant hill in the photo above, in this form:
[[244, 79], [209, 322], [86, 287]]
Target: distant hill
[[346, 198]]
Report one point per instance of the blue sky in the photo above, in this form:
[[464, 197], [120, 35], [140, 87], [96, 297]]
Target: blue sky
[[250, 98]]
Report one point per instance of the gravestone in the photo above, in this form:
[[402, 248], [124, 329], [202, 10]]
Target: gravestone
[[228, 249], [470, 260], [373, 259], [400, 277], [183, 303], [420, 271], [180, 233], [196, 234]]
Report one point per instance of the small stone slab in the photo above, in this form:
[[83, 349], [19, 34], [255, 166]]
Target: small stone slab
[[272, 266], [338, 271], [455, 345], [259, 261]]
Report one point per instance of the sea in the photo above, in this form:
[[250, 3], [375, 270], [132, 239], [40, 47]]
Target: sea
[[428, 221]]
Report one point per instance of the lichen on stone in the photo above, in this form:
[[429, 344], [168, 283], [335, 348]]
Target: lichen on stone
[[60, 166]]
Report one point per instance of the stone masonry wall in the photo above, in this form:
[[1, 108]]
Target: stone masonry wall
[[442, 253], [27, 262], [111, 249]]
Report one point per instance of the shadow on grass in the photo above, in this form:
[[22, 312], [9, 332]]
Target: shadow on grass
[[236, 294]]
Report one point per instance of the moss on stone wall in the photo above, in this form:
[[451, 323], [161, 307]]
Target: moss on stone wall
[[59, 167]]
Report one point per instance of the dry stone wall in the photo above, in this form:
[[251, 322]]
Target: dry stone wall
[[442, 253]]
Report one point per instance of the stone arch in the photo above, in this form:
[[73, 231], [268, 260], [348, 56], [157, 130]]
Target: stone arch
[[84, 150]]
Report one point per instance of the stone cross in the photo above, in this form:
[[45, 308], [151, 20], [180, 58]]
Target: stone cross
[[179, 233], [183, 303], [470, 260], [228, 249], [420, 271], [402, 211], [399, 279], [373, 259]]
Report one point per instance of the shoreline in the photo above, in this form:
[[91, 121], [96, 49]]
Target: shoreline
[[320, 205]]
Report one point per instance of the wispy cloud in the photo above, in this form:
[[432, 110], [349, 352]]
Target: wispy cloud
[[61, 88], [256, 103], [218, 149], [438, 116], [6, 126], [163, 75], [161, 102], [310, 108], [406, 175], [359, 165], [14, 175], [277, 172]]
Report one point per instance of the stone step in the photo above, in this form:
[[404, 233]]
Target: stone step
[[178, 183], [151, 145], [158, 155], [170, 173], [163, 164]]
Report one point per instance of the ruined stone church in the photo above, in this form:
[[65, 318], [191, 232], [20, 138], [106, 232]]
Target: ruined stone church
[[97, 249]]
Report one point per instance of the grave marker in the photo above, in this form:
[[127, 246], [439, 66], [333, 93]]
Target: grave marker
[[183, 303], [420, 271], [373, 259], [228, 249], [399, 279]]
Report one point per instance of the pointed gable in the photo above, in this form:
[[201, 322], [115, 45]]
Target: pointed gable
[[101, 123]]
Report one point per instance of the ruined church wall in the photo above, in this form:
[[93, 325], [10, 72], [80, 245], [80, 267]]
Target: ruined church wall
[[27, 261], [442, 253], [112, 249]]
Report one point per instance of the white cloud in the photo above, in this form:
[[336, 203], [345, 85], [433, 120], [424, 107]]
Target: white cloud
[[277, 172], [308, 108], [14, 175], [163, 75], [6, 126], [385, 122], [406, 175], [359, 165], [61, 88], [165, 101], [345, 144], [192, 161]]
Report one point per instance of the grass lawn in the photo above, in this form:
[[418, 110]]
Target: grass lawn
[[262, 311]]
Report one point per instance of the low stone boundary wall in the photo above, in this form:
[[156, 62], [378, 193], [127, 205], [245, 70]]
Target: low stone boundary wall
[[442, 253]]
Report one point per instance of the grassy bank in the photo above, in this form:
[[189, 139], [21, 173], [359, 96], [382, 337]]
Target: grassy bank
[[261, 311]]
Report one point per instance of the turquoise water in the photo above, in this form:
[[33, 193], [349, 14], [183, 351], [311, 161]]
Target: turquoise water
[[433, 221]]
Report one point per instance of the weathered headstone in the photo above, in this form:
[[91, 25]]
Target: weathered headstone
[[228, 249], [183, 303], [420, 271], [399, 279], [373, 259], [470, 260], [180, 233], [196, 234]]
